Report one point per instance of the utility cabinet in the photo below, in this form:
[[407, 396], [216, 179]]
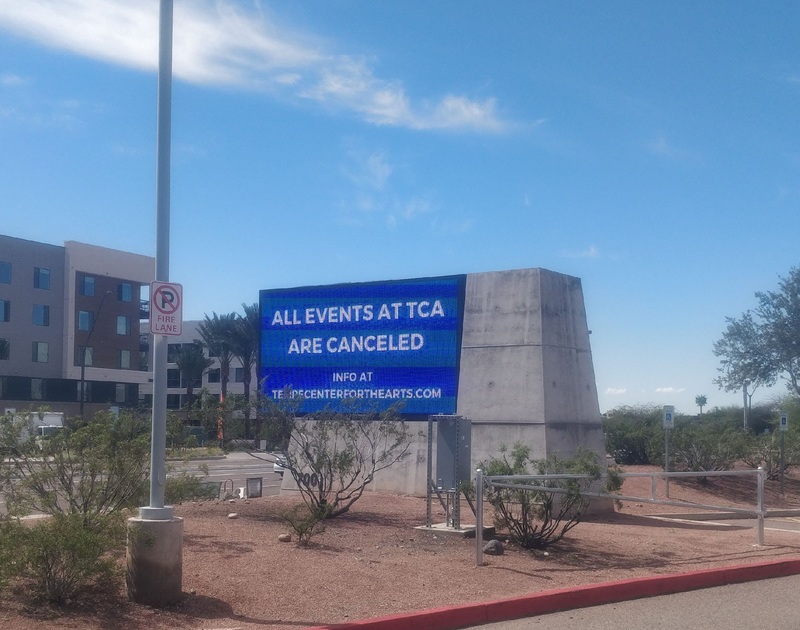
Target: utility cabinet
[[453, 451]]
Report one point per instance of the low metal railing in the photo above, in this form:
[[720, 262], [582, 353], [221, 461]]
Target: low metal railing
[[510, 482]]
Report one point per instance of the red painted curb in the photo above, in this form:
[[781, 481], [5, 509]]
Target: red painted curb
[[453, 617]]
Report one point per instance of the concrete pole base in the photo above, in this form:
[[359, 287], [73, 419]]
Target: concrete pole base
[[155, 561]]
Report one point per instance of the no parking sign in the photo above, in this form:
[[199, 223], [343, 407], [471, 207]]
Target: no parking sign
[[166, 308]]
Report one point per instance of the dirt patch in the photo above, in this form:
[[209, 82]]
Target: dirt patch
[[373, 562]]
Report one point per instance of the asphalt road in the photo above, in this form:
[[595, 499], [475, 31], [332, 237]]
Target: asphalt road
[[233, 470], [765, 604]]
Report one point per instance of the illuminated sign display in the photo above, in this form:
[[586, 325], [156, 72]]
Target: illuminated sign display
[[380, 342]]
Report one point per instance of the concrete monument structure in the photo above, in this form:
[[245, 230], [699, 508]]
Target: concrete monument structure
[[524, 370]]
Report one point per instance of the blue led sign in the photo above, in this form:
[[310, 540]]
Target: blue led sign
[[379, 342]]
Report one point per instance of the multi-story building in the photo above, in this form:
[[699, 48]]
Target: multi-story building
[[211, 379], [69, 323]]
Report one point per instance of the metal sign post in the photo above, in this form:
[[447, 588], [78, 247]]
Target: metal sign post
[[669, 422], [155, 539], [784, 428]]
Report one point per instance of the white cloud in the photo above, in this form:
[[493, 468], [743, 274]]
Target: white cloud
[[10, 80], [369, 170], [661, 146], [670, 390], [616, 391], [218, 43], [592, 251]]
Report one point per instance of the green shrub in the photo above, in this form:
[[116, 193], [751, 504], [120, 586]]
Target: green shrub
[[707, 446], [67, 553], [634, 435], [306, 521], [536, 519], [11, 532], [764, 451], [189, 487]]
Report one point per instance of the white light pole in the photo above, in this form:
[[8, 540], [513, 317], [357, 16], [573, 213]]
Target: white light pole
[[155, 539], [156, 510]]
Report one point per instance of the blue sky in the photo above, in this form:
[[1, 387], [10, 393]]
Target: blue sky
[[650, 148]]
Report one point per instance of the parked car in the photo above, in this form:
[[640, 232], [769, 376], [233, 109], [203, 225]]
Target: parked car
[[280, 464]]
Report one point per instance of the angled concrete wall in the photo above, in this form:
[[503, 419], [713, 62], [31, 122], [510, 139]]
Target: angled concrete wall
[[526, 374], [526, 364]]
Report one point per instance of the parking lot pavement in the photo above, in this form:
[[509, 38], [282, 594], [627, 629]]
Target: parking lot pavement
[[747, 606]]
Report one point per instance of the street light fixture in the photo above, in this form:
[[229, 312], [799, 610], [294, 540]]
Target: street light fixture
[[83, 353]]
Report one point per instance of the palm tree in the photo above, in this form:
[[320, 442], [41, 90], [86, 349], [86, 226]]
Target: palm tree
[[217, 333], [701, 401], [192, 364], [245, 346]]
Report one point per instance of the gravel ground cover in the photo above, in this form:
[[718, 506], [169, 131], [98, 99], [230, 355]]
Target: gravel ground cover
[[373, 562]]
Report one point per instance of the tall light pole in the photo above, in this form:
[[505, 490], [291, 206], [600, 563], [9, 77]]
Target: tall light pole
[[155, 540], [83, 353]]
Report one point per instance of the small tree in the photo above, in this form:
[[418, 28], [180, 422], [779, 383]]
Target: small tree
[[334, 455], [634, 434], [217, 334], [246, 337], [763, 345], [192, 364], [536, 519], [707, 446], [764, 451], [701, 401], [276, 419], [82, 478], [98, 468]]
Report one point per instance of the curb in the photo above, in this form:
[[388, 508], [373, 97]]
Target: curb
[[453, 617]]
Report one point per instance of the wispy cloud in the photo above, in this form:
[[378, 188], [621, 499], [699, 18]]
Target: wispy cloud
[[670, 390], [10, 80], [368, 169], [661, 146], [592, 251], [375, 197], [616, 391], [219, 43]]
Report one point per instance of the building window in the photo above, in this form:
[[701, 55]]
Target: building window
[[125, 359], [5, 349], [123, 325], [173, 378], [173, 401], [85, 320], [37, 389], [5, 310], [120, 393], [5, 272], [89, 358], [238, 375], [41, 315], [124, 291], [87, 285], [41, 278], [173, 350], [214, 375], [87, 392], [41, 352]]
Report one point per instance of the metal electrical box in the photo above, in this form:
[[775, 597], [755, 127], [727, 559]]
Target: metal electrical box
[[453, 451]]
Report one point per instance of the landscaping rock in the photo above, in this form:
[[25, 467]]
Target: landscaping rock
[[493, 548]]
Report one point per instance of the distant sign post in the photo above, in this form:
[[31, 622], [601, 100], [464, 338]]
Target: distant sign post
[[784, 428], [669, 422], [166, 308]]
